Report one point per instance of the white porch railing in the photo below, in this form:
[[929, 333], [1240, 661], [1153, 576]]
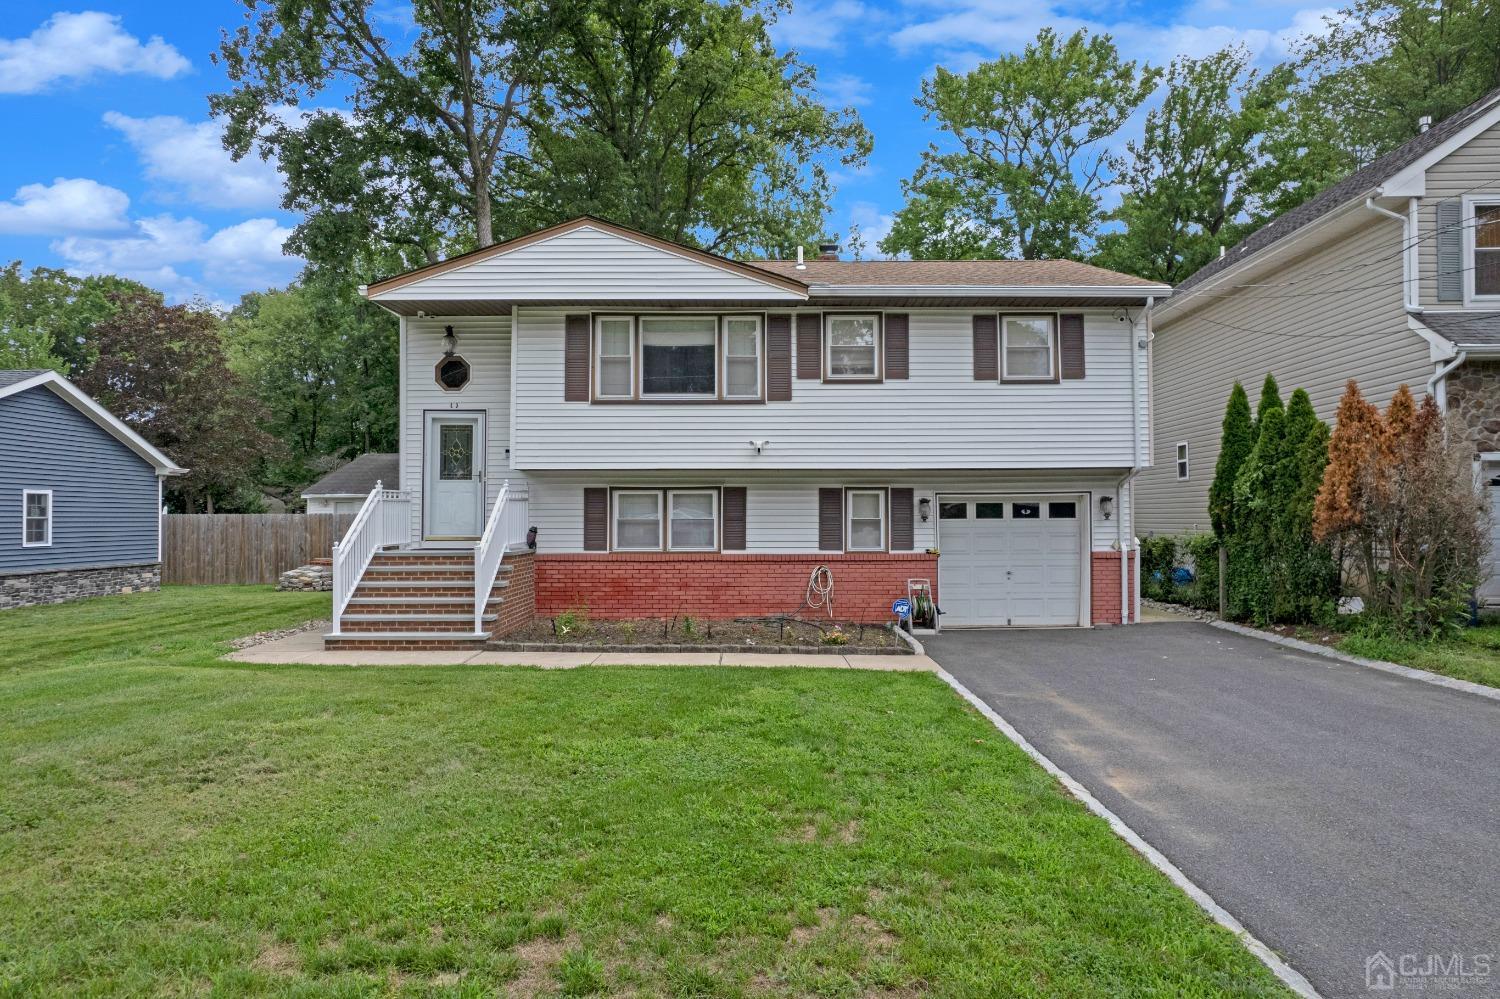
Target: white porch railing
[[505, 529], [383, 520]]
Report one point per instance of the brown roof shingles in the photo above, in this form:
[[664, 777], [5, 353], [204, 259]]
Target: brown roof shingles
[[953, 273]]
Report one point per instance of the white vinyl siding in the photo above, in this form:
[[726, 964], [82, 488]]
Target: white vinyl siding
[[485, 343], [781, 508], [587, 263], [1312, 341], [939, 417]]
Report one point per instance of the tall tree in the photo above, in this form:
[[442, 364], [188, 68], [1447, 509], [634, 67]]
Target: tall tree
[[1235, 443], [1184, 179], [1270, 399], [47, 317], [1027, 156], [162, 370], [680, 118], [430, 113]]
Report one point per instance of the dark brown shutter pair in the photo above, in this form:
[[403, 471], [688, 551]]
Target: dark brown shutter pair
[[987, 347], [596, 518], [831, 519], [576, 359], [778, 358]]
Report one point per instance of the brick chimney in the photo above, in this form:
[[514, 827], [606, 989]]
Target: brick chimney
[[828, 250]]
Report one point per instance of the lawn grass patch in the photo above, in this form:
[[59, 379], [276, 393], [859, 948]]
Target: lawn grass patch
[[171, 823], [1473, 655]]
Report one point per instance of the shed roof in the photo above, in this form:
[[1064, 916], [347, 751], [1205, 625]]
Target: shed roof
[[358, 477]]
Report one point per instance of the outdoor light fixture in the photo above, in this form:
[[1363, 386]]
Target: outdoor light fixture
[[1106, 506], [924, 509], [759, 446], [450, 342]]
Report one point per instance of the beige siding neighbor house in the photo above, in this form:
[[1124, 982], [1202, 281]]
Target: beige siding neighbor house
[[1390, 277], [594, 418]]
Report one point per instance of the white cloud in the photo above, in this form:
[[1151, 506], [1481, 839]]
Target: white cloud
[[842, 90], [67, 205], [162, 248], [191, 159], [874, 225], [817, 25], [79, 46]]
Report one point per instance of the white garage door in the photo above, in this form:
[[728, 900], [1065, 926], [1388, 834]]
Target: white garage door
[[1010, 561], [1489, 589]]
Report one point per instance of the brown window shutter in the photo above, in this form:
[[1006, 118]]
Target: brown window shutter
[[897, 347], [809, 346], [903, 526], [986, 349], [576, 359], [1070, 345], [596, 520], [778, 358], [830, 520], [733, 506]]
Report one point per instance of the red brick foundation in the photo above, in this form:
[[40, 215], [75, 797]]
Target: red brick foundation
[[1104, 586], [518, 596], [718, 586]]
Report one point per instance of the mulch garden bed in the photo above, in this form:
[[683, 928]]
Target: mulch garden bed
[[573, 633]]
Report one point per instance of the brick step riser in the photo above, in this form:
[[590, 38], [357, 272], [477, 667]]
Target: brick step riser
[[420, 573], [403, 645], [394, 606], [456, 561], [447, 592], [354, 625]]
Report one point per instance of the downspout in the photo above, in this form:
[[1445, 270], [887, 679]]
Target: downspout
[[1121, 544], [1135, 469], [1408, 267], [1437, 386]]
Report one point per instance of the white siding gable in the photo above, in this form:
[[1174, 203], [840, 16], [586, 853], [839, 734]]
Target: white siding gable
[[586, 264]]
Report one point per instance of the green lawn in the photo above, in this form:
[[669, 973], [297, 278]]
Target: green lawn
[[172, 824], [1474, 655]]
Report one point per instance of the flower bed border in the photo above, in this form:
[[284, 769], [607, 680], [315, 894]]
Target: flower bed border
[[900, 649]]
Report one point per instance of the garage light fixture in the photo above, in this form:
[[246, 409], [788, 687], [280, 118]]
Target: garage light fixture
[[1106, 506], [450, 342], [924, 509]]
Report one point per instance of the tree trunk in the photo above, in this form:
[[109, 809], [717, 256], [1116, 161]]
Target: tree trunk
[[483, 227]]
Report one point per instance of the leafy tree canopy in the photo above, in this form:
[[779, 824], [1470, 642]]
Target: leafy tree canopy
[[47, 317]]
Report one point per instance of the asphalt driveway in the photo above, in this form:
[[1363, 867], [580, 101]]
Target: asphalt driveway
[[1335, 810]]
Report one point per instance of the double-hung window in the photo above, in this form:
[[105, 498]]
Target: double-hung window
[[614, 346], [853, 347], [678, 356], [36, 518], [866, 515], [1486, 239], [678, 520], [1028, 351], [742, 342], [1182, 461]]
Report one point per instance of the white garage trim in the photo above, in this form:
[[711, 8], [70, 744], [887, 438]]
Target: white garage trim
[[1084, 518]]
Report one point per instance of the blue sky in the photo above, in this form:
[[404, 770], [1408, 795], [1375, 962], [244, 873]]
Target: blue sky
[[113, 165]]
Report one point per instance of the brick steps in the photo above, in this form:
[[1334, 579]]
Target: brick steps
[[405, 641], [413, 600]]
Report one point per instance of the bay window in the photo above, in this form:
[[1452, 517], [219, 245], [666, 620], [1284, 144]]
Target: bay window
[[1027, 349], [853, 347]]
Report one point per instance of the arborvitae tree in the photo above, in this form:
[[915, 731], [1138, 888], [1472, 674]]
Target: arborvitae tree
[[1253, 567], [1308, 583], [1270, 398], [1235, 444]]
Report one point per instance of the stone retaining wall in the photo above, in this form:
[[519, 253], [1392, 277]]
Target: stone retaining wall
[[61, 585]]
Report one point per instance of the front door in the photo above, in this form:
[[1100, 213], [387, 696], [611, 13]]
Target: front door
[[453, 479], [1489, 588]]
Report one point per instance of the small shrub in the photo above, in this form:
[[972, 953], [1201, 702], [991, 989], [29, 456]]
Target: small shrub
[[1158, 557], [689, 629], [573, 621], [835, 637], [627, 631]]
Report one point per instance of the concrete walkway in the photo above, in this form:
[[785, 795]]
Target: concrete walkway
[[306, 648]]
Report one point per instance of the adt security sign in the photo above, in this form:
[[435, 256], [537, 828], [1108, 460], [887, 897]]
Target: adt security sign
[[901, 608]]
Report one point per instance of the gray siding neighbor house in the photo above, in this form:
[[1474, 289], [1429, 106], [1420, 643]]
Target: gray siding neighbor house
[[1389, 277], [80, 495]]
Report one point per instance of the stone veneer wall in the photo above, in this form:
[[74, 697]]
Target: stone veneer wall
[[1474, 395], [61, 585]]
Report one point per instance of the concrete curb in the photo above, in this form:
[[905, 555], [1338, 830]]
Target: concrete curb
[[1420, 675], [909, 639], [1285, 972]]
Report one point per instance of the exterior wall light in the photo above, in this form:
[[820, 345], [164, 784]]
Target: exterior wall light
[[1106, 506], [924, 509], [450, 342]]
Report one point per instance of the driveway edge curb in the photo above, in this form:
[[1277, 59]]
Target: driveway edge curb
[[1288, 975], [1411, 673]]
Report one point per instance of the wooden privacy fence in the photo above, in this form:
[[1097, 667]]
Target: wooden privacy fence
[[202, 548]]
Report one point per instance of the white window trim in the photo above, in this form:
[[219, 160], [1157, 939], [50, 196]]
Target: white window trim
[[878, 374], [849, 495], [614, 519], [760, 356], [640, 363], [1051, 374], [1184, 462], [26, 494], [597, 360], [1470, 223], [713, 495]]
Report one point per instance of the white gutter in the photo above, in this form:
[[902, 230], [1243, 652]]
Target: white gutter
[[1437, 385], [1408, 264], [996, 290]]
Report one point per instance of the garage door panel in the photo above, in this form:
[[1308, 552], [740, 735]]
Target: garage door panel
[[1009, 571]]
